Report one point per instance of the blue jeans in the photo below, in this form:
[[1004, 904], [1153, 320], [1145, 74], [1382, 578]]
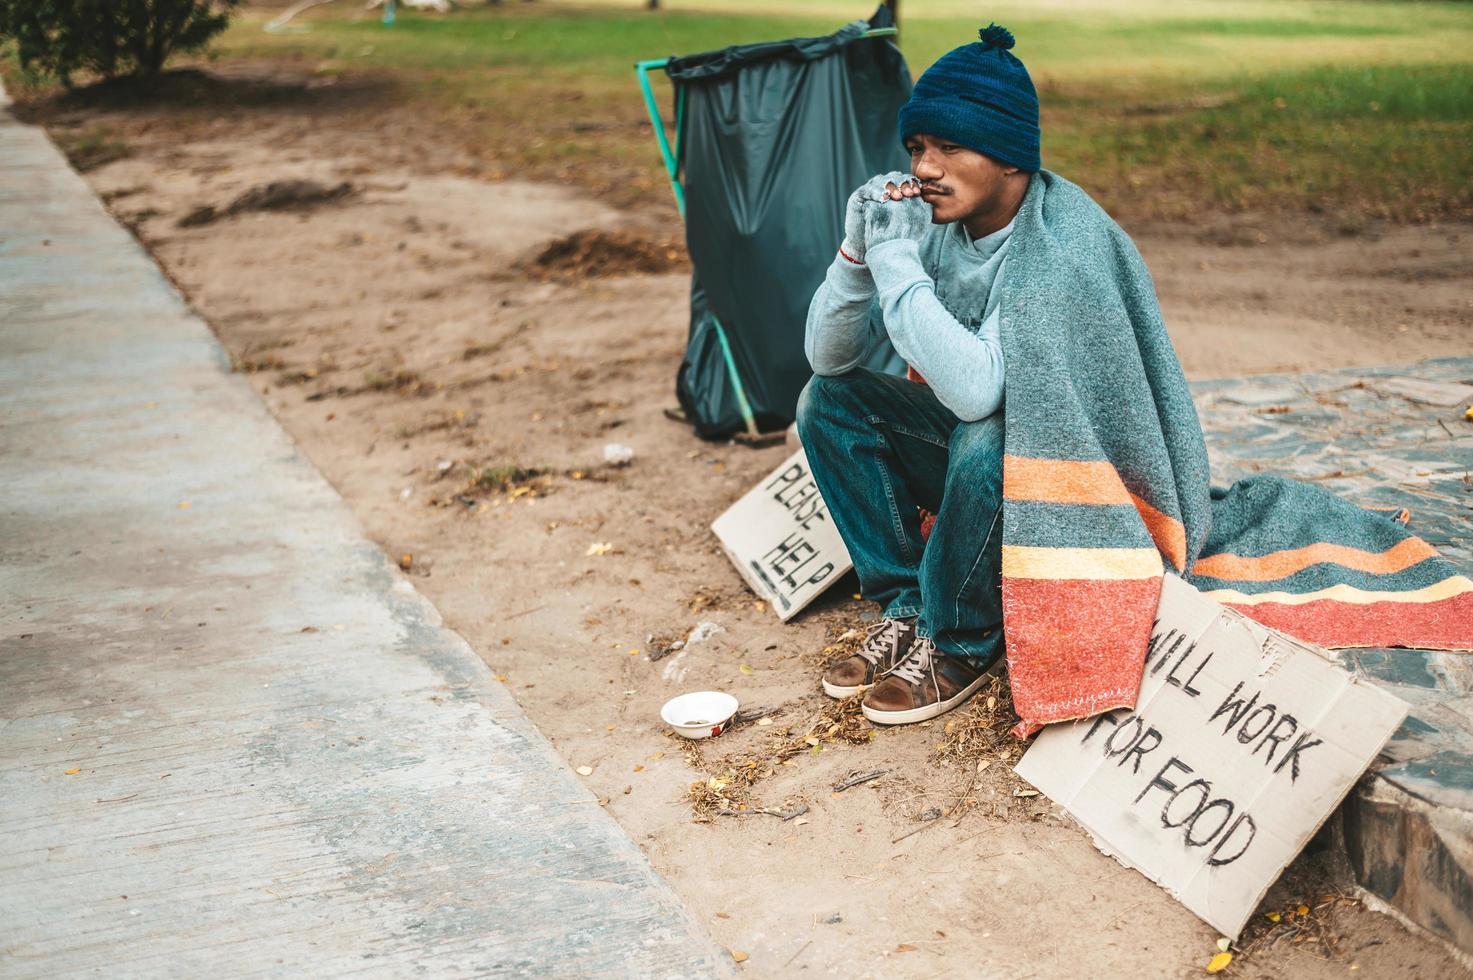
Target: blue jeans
[[879, 446]]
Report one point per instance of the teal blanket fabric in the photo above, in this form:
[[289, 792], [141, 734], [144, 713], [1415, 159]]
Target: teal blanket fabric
[[1106, 488]]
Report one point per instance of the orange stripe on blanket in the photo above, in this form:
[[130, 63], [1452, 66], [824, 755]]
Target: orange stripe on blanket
[[1446, 624], [1282, 564], [1061, 481], [1169, 533]]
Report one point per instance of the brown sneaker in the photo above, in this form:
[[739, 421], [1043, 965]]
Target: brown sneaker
[[884, 644], [924, 684]]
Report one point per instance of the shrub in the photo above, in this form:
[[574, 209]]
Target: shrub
[[108, 37]]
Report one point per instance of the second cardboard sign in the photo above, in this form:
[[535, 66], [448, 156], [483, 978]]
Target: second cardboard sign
[[783, 541]]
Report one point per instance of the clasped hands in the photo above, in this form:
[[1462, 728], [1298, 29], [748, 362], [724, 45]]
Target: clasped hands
[[884, 209]]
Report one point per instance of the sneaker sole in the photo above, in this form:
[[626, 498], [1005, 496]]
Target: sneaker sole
[[927, 711], [840, 693]]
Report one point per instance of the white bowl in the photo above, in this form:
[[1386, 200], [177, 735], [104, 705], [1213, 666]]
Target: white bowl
[[700, 714]]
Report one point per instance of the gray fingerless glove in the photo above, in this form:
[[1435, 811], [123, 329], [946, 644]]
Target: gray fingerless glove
[[854, 224], [888, 221]]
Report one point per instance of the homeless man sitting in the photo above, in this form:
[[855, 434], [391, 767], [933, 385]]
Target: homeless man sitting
[[980, 261], [933, 246]]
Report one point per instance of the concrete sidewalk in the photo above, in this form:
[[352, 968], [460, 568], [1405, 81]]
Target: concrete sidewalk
[[1390, 437], [233, 739]]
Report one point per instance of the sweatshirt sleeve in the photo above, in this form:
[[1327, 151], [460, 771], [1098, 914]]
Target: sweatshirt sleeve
[[839, 334], [965, 369]]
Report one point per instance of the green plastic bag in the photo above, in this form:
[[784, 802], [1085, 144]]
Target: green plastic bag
[[774, 139]]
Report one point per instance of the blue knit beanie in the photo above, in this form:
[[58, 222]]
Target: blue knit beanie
[[979, 96]]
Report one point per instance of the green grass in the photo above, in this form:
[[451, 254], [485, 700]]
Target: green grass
[[1160, 108], [1387, 141], [595, 42]]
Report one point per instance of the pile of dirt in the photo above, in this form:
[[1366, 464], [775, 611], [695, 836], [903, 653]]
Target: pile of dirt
[[594, 254], [278, 195]]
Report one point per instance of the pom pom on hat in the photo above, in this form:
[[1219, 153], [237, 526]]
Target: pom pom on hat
[[997, 36], [980, 96]]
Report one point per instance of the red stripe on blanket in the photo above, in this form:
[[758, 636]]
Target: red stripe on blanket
[[1446, 624], [1055, 676]]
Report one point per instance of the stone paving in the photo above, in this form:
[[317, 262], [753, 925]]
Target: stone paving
[[1385, 437]]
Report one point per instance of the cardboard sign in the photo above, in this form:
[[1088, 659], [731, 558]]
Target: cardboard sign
[[781, 539], [1241, 744]]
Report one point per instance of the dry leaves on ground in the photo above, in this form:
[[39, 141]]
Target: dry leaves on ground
[[1309, 926], [728, 785]]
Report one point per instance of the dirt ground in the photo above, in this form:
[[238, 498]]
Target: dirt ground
[[460, 396]]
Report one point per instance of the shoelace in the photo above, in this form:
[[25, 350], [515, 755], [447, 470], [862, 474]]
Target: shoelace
[[917, 663], [883, 636]]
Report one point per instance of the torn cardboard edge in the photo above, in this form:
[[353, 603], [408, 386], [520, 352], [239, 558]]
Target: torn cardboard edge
[[1242, 743]]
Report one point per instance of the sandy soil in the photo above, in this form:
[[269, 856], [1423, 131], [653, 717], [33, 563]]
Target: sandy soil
[[396, 338]]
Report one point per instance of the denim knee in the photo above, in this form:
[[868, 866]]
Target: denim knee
[[977, 448], [822, 398], [808, 407]]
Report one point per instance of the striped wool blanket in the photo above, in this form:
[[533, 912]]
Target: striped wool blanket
[[1106, 488]]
